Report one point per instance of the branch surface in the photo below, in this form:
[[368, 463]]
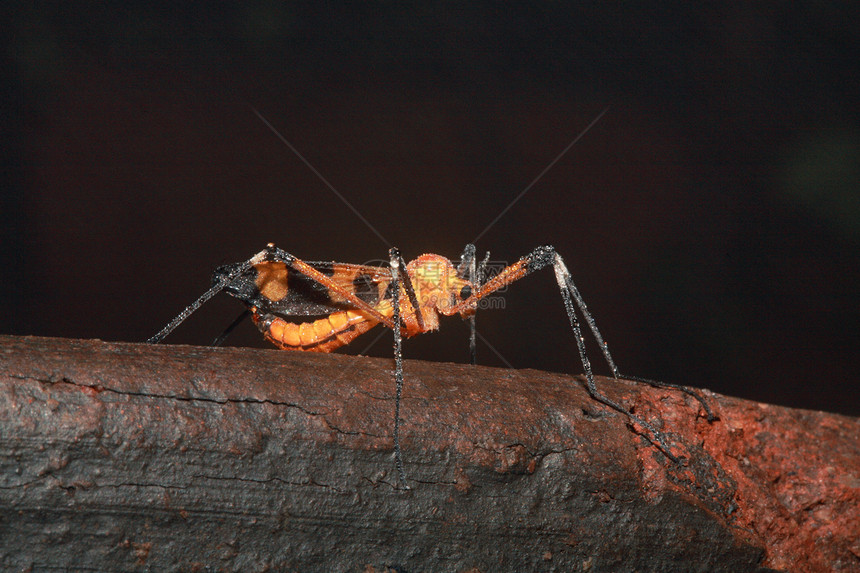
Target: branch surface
[[129, 457]]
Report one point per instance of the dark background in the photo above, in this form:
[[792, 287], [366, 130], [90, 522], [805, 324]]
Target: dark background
[[711, 217]]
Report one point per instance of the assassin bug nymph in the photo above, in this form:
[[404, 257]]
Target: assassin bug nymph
[[341, 301]]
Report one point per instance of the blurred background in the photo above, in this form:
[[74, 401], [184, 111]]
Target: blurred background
[[710, 217]]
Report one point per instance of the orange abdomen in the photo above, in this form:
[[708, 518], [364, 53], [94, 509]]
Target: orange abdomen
[[322, 335]]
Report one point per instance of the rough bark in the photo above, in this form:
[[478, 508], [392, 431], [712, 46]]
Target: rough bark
[[131, 457]]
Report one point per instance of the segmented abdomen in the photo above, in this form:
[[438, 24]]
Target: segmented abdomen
[[322, 335]]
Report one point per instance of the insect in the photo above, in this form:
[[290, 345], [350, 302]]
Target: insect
[[321, 306]]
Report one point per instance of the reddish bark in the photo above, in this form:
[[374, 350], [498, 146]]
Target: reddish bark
[[117, 456]]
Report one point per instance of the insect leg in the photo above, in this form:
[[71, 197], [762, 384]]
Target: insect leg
[[396, 261], [467, 269], [604, 347], [568, 294], [213, 290], [394, 252], [223, 336], [478, 280], [542, 257], [709, 414]]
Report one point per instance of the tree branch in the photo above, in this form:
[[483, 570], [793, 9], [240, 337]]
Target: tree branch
[[117, 457]]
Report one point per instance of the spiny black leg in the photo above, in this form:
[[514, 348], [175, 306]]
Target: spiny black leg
[[396, 261], [223, 336], [685, 389], [407, 285], [478, 276], [467, 269], [545, 256], [213, 290], [580, 302], [565, 283]]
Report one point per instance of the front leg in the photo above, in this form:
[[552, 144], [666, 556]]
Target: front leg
[[546, 256]]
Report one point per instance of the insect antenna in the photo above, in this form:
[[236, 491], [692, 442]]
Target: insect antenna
[[482, 269]]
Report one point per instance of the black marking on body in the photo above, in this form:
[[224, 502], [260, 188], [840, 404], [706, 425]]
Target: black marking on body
[[307, 288], [328, 269], [305, 296], [365, 288]]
